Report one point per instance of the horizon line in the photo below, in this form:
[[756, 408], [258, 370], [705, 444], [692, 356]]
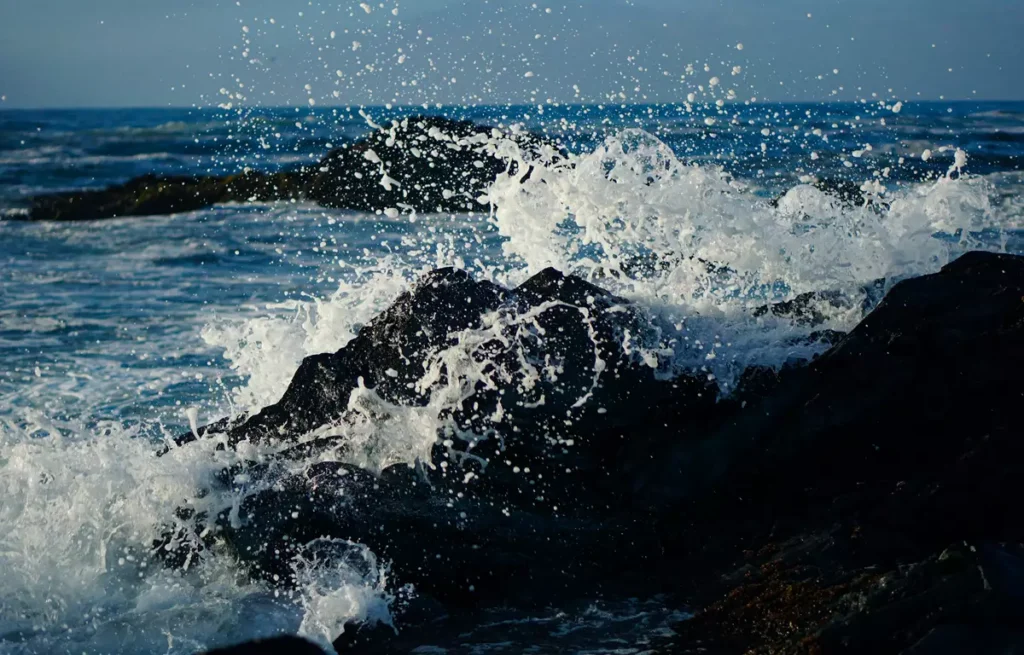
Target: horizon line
[[444, 106]]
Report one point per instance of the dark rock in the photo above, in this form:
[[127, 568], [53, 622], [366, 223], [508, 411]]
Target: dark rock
[[151, 195], [464, 552], [277, 646], [810, 308], [839, 491], [387, 355], [554, 342], [971, 640], [847, 193], [934, 363], [865, 502], [811, 595], [436, 164], [537, 509]]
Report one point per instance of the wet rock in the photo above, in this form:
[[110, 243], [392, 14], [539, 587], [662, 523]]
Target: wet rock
[[522, 499], [813, 308], [277, 646], [845, 192], [841, 489], [476, 550], [819, 593], [865, 502], [547, 361], [930, 370], [388, 356], [430, 164], [151, 195], [424, 164]]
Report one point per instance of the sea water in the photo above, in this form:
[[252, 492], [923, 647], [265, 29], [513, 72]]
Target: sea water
[[117, 335]]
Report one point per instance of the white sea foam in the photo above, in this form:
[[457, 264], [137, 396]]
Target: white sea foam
[[267, 349], [597, 214], [78, 520], [340, 583], [632, 217], [82, 503]]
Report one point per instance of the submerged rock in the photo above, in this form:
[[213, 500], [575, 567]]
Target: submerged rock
[[423, 164], [844, 192], [865, 502]]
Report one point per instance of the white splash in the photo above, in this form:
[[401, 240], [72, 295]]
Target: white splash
[[693, 248], [268, 349], [633, 201], [340, 583], [78, 520]]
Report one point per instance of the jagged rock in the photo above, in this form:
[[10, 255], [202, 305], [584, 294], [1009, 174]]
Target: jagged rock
[[865, 502], [550, 356], [429, 164], [810, 308], [426, 164], [936, 343], [837, 490], [820, 594], [387, 355], [482, 548], [521, 500], [847, 193]]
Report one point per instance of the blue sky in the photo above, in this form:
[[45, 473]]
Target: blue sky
[[77, 53]]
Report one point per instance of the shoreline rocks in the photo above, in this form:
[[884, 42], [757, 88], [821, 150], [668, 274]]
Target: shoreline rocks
[[865, 502], [422, 163]]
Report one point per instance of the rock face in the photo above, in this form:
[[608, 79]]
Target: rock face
[[536, 389], [874, 494], [867, 502], [426, 164], [548, 351], [429, 164]]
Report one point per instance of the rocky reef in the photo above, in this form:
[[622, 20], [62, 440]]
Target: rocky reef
[[421, 163], [867, 501]]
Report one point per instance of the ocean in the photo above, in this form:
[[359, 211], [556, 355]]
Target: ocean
[[116, 335]]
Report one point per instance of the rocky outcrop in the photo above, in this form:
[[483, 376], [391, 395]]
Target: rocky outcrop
[[547, 357], [520, 499], [872, 496], [429, 164], [151, 195], [423, 164], [866, 502]]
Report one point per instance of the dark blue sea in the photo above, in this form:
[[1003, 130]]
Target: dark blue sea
[[116, 335]]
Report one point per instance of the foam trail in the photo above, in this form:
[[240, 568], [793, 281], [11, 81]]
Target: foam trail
[[78, 521]]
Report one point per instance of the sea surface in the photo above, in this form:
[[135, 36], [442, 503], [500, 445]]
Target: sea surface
[[117, 334]]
